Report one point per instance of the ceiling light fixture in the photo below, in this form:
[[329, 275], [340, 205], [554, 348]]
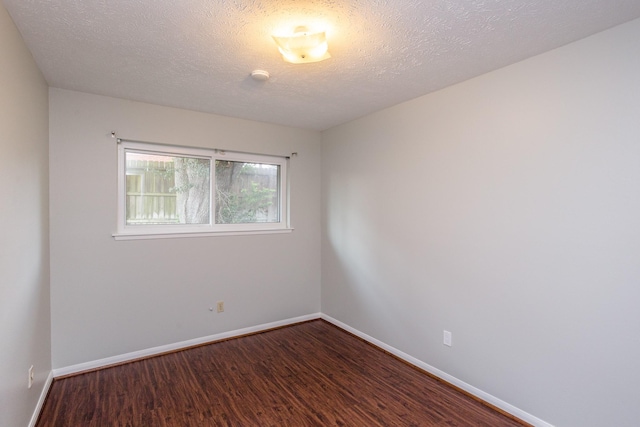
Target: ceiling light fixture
[[302, 46]]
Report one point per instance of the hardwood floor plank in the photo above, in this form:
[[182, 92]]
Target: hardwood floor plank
[[309, 374]]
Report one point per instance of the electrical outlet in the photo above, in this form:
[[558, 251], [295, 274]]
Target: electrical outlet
[[30, 377], [220, 306], [447, 338]]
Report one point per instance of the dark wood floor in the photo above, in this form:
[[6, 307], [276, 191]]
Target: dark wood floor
[[309, 374]]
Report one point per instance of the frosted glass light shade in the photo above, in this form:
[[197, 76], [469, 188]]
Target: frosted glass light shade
[[303, 47]]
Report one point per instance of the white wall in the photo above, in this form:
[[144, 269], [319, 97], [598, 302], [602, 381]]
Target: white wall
[[112, 297], [505, 209], [25, 331]]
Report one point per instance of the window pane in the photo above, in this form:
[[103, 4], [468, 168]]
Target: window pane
[[246, 192], [164, 189]]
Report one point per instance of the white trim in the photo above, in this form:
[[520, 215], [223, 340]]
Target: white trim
[[524, 416], [43, 396], [101, 363], [145, 236]]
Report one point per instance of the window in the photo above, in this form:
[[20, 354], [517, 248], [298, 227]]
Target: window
[[168, 191]]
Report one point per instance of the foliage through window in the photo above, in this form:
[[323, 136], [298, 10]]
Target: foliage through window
[[168, 190], [246, 192]]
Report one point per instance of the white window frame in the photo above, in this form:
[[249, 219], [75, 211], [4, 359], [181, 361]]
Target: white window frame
[[141, 231]]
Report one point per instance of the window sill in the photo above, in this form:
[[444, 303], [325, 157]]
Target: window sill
[[148, 236]]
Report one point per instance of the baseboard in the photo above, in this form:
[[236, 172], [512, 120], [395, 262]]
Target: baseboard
[[109, 361], [128, 357], [43, 397], [486, 397]]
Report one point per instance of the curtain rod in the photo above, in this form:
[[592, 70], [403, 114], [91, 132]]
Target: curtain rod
[[217, 150]]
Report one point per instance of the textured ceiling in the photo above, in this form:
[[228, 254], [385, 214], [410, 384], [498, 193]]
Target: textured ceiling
[[198, 54]]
